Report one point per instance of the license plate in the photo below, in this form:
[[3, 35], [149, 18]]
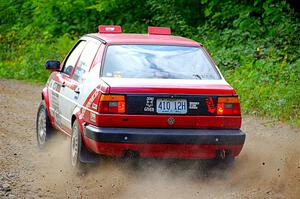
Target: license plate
[[171, 106]]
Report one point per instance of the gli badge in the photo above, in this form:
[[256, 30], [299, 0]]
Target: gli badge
[[171, 120]]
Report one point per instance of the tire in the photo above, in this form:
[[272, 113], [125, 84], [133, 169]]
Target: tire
[[76, 147], [44, 129]]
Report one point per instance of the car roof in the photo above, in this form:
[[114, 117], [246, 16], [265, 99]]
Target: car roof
[[130, 38]]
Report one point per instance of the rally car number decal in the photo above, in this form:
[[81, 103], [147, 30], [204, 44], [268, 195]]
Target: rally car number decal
[[54, 105]]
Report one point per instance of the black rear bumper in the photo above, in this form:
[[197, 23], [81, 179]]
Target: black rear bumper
[[165, 136]]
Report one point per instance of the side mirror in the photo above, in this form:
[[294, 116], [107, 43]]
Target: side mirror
[[52, 65]]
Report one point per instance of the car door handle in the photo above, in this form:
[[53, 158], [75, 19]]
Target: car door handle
[[77, 90]]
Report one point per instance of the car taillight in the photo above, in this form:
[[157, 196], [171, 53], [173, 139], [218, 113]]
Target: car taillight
[[228, 106], [112, 104]]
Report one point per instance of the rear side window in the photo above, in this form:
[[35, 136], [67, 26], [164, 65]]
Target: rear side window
[[85, 60], [158, 61], [73, 58]]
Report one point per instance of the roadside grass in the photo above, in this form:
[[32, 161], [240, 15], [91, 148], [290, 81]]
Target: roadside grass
[[26, 61], [262, 97]]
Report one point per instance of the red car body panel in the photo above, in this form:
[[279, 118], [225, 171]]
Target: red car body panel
[[161, 150], [45, 97], [168, 87], [160, 121], [146, 39]]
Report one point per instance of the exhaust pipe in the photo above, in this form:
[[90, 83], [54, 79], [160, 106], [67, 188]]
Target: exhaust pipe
[[222, 154], [130, 154]]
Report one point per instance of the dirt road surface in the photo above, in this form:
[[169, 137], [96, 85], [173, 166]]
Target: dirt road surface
[[268, 167]]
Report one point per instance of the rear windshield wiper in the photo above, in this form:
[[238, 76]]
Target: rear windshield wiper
[[196, 75]]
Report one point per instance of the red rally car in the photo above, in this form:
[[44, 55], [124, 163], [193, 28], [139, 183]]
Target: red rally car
[[151, 95]]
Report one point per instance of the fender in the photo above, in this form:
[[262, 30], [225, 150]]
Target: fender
[[45, 97], [79, 116]]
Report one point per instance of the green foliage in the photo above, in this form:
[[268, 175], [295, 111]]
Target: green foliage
[[27, 61], [254, 42]]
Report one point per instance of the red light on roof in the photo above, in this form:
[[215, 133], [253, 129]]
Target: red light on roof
[[110, 29], [159, 30]]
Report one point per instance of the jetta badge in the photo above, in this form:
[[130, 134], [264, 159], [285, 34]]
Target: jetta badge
[[171, 120]]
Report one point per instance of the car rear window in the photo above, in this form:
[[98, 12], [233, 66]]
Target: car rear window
[[159, 62]]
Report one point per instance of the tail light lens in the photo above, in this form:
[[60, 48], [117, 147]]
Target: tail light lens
[[112, 104], [228, 106]]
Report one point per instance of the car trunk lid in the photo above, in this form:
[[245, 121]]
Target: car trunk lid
[[168, 86], [147, 102]]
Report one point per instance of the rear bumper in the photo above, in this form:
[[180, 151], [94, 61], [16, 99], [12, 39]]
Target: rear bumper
[[185, 143]]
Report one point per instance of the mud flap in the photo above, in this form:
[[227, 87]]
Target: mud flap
[[88, 157]]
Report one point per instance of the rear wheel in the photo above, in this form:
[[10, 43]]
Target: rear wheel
[[44, 129], [76, 146]]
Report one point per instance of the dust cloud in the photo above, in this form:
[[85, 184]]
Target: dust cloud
[[264, 168]]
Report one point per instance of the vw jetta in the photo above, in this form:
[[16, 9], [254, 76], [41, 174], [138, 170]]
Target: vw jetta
[[151, 95]]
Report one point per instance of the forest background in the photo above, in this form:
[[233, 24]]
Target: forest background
[[255, 43]]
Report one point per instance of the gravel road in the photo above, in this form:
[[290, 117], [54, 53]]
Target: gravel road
[[268, 167]]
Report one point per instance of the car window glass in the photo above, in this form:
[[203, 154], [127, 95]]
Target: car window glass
[[158, 61], [72, 59], [85, 60]]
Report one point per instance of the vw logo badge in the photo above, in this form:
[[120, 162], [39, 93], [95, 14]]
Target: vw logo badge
[[171, 120]]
